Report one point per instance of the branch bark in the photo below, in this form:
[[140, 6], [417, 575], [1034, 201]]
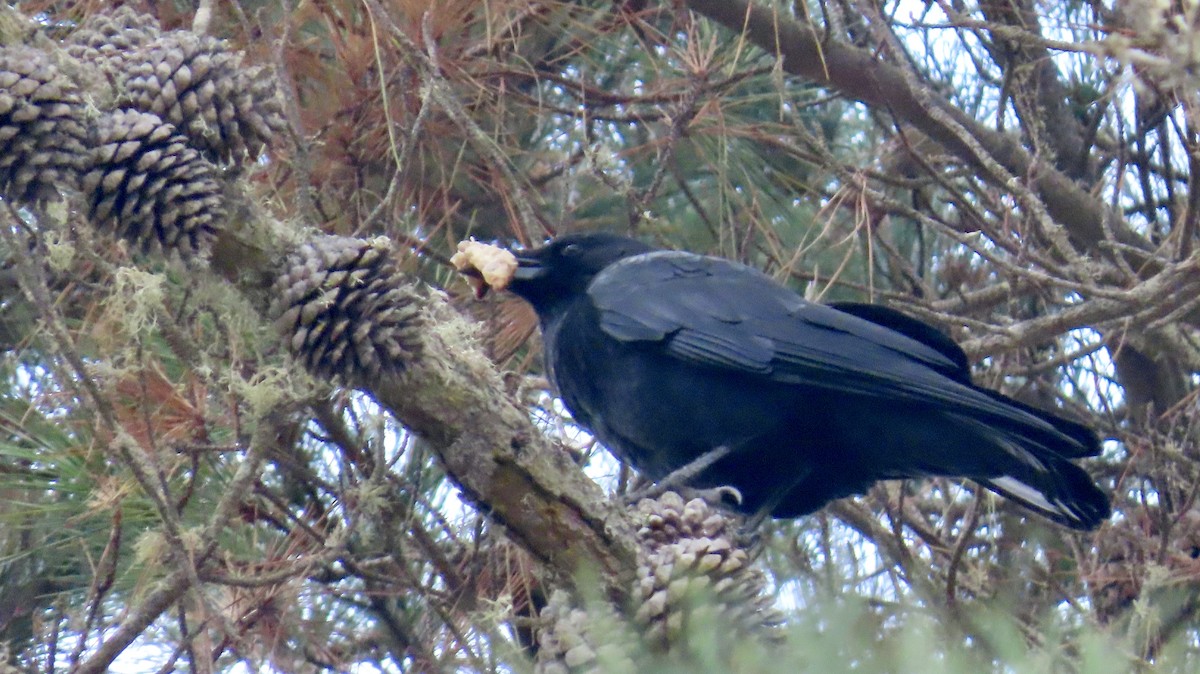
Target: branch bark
[[1037, 89]]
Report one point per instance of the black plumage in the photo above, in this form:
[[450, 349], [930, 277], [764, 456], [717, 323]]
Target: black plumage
[[666, 355]]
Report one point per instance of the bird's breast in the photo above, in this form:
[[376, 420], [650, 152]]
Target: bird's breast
[[650, 408]]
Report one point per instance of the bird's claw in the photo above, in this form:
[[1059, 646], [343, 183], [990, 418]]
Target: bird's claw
[[723, 496], [720, 494], [676, 481]]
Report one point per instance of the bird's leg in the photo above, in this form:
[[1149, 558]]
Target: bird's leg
[[752, 523], [677, 480]]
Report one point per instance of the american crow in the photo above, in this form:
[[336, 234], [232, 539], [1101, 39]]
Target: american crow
[[669, 357]]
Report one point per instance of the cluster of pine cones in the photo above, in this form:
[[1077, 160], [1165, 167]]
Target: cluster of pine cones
[[184, 109], [149, 168]]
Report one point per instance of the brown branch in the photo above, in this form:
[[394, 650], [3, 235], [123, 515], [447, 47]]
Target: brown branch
[[145, 612], [859, 75], [1040, 96], [1155, 298]]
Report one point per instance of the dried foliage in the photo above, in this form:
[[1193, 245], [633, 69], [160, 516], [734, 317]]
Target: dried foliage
[[1023, 175]]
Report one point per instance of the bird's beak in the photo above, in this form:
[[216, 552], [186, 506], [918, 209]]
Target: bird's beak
[[528, 269]]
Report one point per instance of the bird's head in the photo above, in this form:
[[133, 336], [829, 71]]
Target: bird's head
[[563, 268]]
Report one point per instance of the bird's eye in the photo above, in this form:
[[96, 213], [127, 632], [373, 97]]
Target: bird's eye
[[571, 250]]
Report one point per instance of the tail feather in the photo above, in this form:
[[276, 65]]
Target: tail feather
[[1083, 441], [1067, 495], [1033, 468]]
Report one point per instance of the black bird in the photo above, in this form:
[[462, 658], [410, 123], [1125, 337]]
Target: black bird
[[682, 362]]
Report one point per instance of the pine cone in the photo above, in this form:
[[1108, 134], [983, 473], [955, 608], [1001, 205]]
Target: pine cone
[[668, 518], [42, 126], [147, 185], [346, 310], [573, 641], [197, 84], [689, 571], [109, 40], [688, 549]]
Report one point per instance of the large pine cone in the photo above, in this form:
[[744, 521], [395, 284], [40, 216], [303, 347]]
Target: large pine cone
[[346, 310], [690, 549], [575, 641], [197, 84], [108, 41], [42, 126], [691, 572], [145, 183]]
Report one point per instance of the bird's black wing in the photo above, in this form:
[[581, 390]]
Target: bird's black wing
[[936, 339], [720, 314], [912, 328]]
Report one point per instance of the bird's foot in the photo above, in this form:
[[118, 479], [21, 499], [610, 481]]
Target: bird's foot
[[725, 497], [687, 472], [749, 533], [677, 480]]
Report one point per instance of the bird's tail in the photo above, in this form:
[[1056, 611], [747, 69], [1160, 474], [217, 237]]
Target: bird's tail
[[1036, 470], [1064, 493], [1082, 441]]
